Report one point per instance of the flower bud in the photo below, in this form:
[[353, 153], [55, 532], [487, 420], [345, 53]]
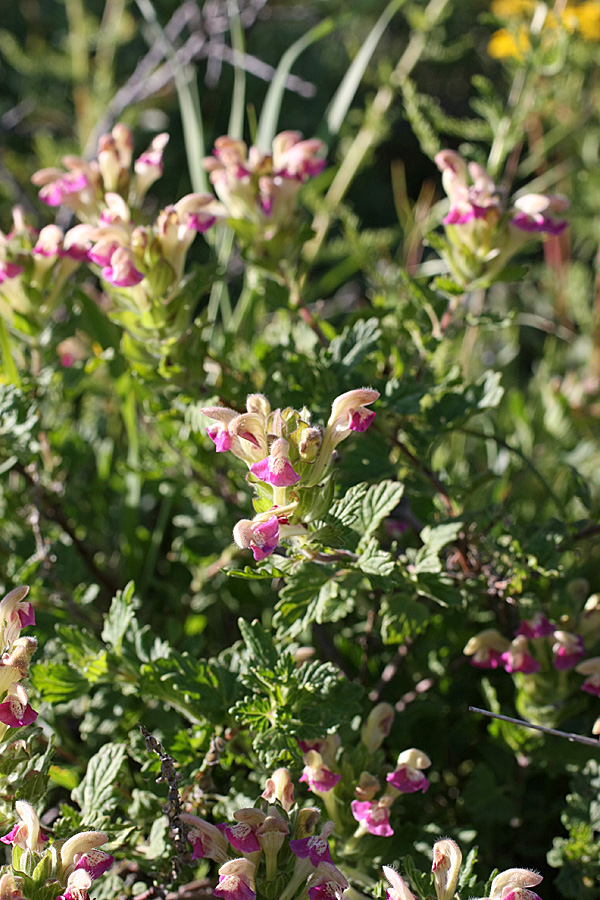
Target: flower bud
[[280, 787], [306, 822], [447, 859], [398, 887], [20, 654], [79, 845], [377, 726]]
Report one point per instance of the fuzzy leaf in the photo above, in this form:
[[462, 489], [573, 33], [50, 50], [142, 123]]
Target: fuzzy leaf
[[98, 792]]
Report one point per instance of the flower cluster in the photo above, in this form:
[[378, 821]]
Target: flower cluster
[[262, 188], [143, 259], [512, 884], [490, 650], [16, 613], [514, 40], [77, 864], [484, 230], [284, 855], [34, 266], [288, 460], [276, 846], [323, 757]]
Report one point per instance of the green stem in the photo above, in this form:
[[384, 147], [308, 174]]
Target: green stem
[[8, 364]]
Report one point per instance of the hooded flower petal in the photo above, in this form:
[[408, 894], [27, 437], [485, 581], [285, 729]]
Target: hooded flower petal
[[15, 711], [568, 649], [261, 537], [236, 880], [318, 777], [375, 815], [398, 889], [206, 839], [518, 659], [314, 848]]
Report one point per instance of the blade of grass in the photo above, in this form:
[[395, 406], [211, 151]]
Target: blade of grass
[[189, 102], [269, 116], [219, 301], [11, 372], [343, 97], [368, 135], [238, 97]]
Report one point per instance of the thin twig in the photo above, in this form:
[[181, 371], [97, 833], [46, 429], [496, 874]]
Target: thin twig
[[568, 735]]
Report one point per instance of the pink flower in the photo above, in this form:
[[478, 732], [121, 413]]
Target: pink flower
[[295, 158], [537, 627], [315, 848], [486, 649], [62, 188], [515, 884], [149, 166], [26, 833], [518, 659], [280, 787], [15, 711], [15, 613], [348, 413], [398, 888], [318, 777], [407, 777], [241, 837], [261, 537], [590, 667], [206, 839], [532, 213], [276, 469], [9, 270], [326, 883], [49, 242], [77, 242], [78, 885], [408, 780], [468, 202], [568, 649], [375, 815], [122, 271], [236, 880], [95, 862], [219, 436]]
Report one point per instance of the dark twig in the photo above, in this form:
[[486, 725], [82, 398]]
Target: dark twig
[[574, 738], [173, 807]]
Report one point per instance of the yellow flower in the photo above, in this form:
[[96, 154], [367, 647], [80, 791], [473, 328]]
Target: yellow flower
[[584, 18], [505, 43]]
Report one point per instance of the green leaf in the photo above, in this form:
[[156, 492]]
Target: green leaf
[[57, 682], [343, 97], [267, 125], [354, 344], [98, 792], [402, 618], [364, 507], [119, 618], [259, 644]]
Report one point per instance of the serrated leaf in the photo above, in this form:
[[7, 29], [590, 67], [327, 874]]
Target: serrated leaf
[[57, 682], [98, 793], [374, 561], [402, 617], [119, 618], [364, 507], [259, 645], [351, 347]]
